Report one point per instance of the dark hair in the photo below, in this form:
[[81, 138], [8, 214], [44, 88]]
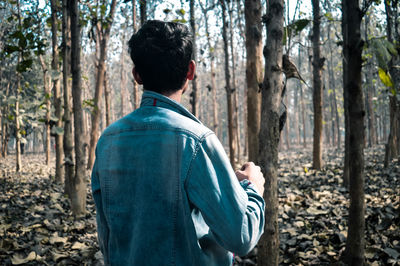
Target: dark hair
[[161, 52]]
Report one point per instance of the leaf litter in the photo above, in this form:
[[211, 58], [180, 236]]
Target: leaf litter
[[37, 228], [36, 225], [313, 210]]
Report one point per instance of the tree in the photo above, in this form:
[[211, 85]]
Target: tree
[[103, 28], [46, 85], [272, 89], [78, 184], [68, 135], [354, 103], [393, 142], [56, 91], [317, 63], [211, 50], [193, 94], [228, 88]]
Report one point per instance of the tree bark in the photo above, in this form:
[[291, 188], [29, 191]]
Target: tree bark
[[194, 93], [369, 92], [254, 75], [107, 98], [352, 46], [268, 253], [136, 100], [56, 91], [211, 50], [68, 135], [78, 188], [235, 89], [143, 11], [104, 34], [229, 94], [393, 143], [317, 63], [46, 85], [16, 117]]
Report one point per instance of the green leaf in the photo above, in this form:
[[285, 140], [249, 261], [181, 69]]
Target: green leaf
[[329, 16], [294, 28], [24, 65], [385, 77], [57, 130], [183, 21], [11, 49], [181, 12]]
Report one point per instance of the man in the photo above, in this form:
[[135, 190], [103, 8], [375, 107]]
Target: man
[[164, 189]]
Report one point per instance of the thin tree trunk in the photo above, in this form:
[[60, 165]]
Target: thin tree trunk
[[231, 127], [104, 34], [268, 253], [211, 50], [57, 92], [353, 44], [143, 11], [68, 135], [16, 118], [317, 63], [235, 89], [194, 93], [136, 100], [393, 143], [254, 73], [123, 81], [46, 85], [107, 99], [78, 188], [302, 108]]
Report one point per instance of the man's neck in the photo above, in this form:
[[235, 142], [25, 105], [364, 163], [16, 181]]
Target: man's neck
[[176, 96]]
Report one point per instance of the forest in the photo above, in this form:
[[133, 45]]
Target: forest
[[307, 89]]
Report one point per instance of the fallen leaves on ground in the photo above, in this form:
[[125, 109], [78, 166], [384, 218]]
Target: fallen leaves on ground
[[37, 228], [313, 210]]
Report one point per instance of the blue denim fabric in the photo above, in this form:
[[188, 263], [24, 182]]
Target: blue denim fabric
[[166, 193]]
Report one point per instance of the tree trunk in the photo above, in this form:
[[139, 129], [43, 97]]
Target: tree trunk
[[68, 135], [317, 63], [57, 92], [135, 98], [46, 85], [211, 50], [268, 253], [143, 11], [369, 92], [78, 188], [352, 49], [229, 94], [107, 98], [104, 34], [254, 74], [16, 117], [194, 93], [123, 80], [393, 143], [235, 89]]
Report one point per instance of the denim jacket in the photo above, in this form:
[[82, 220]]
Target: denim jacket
[[166, 194]]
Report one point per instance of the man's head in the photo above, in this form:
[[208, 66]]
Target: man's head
[[162, 53]]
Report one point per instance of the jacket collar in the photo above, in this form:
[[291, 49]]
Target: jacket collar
[[151, 98]]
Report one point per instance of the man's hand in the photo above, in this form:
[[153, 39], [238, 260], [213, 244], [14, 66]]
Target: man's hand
[[253, 173]]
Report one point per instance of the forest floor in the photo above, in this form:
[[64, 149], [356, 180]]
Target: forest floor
[[37, 228]]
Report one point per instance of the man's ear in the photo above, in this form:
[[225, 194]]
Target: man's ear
[[137, 76], [191, 70]]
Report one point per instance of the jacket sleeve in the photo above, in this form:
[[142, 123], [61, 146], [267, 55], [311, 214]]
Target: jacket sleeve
[[234, 211]]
